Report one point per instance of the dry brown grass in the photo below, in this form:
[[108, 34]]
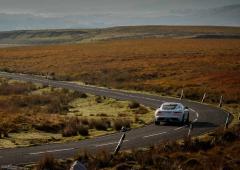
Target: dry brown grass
[[47, 162], [218, 151], [22, 110], [159, 65], [35, 111]]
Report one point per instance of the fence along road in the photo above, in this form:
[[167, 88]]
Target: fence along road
[[205, 118]]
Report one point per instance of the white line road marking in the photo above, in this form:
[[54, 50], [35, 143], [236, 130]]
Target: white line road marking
[[156, 134], [51, 151], [111, 143], [197, 115], [179, 128]]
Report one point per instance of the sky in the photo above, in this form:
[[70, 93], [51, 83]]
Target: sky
[[44, 14]]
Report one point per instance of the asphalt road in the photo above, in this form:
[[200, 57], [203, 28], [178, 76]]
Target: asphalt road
[[205, 117]]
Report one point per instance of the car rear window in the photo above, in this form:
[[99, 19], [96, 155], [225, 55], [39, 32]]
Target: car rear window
[[169, 106]]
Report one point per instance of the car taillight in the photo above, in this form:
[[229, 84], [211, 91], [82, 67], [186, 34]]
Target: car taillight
[[177, 113], [159, 113]]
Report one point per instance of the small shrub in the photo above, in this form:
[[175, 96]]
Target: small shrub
[[83, 130], [100, 124], [229, 136], [102, 115], [133, 105], [5, 69], [6, 127], [37, 99], [16, 88], [74, 127], [187, 142], [201, 145], [71, 127], [222, 137], [48, 127], [122, 114], [47, 162], [119, 123], [141, 110], [192, 163], [54, 107], [79, 94], [136, 119], [83, 156], [98, 99], [124, 166], [102, 159], [85, 121], [18, 101], [65, 91], [62, 77], [69, 131], [196, 145]]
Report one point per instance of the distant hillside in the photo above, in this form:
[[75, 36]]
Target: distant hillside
[[40, 37]]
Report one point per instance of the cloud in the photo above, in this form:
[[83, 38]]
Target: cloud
[[225, 15]]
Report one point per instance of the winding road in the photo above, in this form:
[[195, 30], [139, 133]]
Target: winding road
[[205, 117]]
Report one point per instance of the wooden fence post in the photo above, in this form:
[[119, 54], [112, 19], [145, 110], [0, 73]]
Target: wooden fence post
[[181, 95], [204, 96], [220, 102]]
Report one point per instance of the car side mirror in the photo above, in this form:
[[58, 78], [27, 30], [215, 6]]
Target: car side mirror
[[185, 107]]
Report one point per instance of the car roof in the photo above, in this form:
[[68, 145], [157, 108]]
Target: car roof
[[171, 103]]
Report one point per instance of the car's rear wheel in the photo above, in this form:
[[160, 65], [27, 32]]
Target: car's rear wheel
[[157, 122], [187, 120], [182, 121]]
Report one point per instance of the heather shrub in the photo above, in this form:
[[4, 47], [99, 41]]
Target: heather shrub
[[16, 88], [73, 127], [48, 127], [47, 162], [69, 131], [76, 94], [119, 123], [100, 124], [133, 105], [83, 130], [141, 110], [98, 99]]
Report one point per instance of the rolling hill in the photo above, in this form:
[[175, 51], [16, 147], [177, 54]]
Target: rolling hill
[[69, 36]]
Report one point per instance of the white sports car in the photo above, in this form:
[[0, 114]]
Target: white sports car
[[172, 112]]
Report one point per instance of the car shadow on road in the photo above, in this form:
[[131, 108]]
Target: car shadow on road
[[203, 124], [171, 124], [195, 124]]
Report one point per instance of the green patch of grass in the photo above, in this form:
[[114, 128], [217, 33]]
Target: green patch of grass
[[108, 107], [89, 108], [28, 139]]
